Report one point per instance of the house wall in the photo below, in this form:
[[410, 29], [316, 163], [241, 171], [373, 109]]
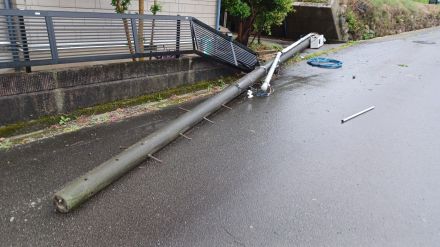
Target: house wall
[[204, 10]]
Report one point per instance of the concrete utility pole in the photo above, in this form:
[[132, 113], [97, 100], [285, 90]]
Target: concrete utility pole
[[84, 187]]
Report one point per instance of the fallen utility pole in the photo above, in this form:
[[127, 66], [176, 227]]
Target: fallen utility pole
[[79, 190]]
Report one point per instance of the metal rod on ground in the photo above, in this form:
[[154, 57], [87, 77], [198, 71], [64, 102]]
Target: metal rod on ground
[[227, 107], [209, 120], [154, 158], [185, 136], [357, 114], [79, 190]]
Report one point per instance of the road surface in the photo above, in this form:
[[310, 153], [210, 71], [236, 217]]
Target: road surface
[[275, 171]]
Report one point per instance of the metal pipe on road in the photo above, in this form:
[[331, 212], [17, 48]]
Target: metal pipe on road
[[357, 114], [79, 190], [276, 61], [301, 40]]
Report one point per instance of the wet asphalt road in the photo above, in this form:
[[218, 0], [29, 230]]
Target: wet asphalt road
[[276, 171]]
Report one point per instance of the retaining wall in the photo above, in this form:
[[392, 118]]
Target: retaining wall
[[25, 96], [322, 18]]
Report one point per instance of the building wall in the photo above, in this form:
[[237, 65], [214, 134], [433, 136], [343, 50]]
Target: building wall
[[205, 10]]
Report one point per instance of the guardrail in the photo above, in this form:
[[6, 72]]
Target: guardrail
[[32, 38]]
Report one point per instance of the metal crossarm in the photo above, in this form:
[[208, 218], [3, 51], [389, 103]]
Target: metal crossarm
[[32, 38]]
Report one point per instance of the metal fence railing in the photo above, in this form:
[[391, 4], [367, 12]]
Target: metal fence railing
[[32, 38], [208, 42]]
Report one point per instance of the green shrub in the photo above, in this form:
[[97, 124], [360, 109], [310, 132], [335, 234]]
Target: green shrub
[[354, 24], [64, 120], [368, 34], [367, 19]]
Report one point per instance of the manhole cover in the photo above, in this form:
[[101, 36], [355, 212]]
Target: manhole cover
[[424, 42]]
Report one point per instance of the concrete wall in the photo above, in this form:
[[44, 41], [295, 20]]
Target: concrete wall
[[312, 17], [204, 10], [25, 96]]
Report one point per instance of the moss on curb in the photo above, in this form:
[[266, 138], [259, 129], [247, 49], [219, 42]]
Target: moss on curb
[[45, 121]]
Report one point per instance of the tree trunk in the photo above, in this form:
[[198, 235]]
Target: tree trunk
[[245, 29], [243, 33], [259, 37], [240, 31], [253, 39], [141, 29], [245, 39], [127, 34], [127, 30], [153, 23], [225, 18]]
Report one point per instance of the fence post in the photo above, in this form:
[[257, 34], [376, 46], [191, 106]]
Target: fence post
[[233, 51], [193, 35], [13, 40], [24, 42], [135, 36], [12, 35], [178, 37], [52, 40]]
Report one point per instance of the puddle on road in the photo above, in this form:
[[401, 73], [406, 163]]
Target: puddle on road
[[289, 82]]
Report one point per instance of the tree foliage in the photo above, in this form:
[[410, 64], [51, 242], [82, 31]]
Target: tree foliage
[[257, 15], [121, 5], [238, 8], [267, 20], [155, 8]]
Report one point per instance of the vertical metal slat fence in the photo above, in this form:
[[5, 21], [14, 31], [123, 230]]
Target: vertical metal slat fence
[[32, 38]]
